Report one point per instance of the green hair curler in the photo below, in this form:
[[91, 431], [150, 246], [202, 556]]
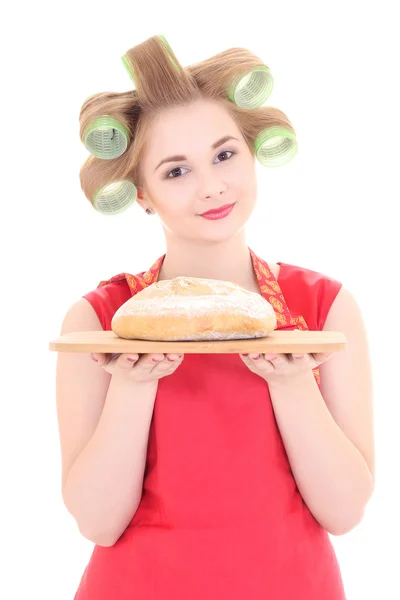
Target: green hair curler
[[106, 137], [275, 146], [252, 89], [115, 197]]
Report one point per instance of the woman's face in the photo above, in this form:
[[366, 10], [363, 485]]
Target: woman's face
[[187, 171]]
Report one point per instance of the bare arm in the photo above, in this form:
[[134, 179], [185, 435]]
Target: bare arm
[[104, 486], [331, 473], [329, 434], [104, 417], [103, 425]]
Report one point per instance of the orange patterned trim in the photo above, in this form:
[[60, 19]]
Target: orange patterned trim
[[272, 292]]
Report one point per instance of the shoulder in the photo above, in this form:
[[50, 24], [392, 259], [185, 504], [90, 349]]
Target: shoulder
[[108, 291], [310, 291], [310, 276], [121, 284], [80, 316], [342, 305], [108, 297], [344, 312]]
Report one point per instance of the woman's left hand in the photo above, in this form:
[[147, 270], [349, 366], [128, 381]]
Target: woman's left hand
[[278, 368]]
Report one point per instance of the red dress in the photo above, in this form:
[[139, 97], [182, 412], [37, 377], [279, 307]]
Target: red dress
[[221, 517]]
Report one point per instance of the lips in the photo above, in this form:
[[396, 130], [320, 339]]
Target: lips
[[217, 211]]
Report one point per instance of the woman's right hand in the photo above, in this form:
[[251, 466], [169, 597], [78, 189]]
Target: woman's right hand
[[139, 367]]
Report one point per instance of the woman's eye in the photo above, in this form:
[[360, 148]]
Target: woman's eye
[[177, 171], [226, 152], [174, 171]]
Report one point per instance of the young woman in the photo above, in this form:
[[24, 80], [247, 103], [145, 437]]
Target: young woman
[[208, 476]]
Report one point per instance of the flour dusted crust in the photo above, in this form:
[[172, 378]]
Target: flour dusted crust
[[194, 309]]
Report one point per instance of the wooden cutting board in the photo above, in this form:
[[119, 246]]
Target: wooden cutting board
[[275, 342]]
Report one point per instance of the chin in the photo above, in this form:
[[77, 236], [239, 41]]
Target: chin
[[221, 233]]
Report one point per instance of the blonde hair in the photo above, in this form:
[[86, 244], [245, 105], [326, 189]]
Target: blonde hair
[[161, 82]]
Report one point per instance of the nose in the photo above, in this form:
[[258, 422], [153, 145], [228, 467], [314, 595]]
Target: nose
[[211, 187]]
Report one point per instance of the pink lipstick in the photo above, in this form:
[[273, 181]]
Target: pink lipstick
[[218, 213]]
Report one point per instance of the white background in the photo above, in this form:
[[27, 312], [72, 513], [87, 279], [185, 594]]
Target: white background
[[331, 209]]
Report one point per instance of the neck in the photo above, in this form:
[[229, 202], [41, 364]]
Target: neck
[[229, 260]]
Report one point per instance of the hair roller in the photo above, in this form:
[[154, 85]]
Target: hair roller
[[250, 90], [107, 186], [107, 123], [115, 197], [275, 146], [106, 137]]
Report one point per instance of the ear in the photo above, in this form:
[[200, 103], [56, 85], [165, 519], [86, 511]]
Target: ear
[[140, 198]]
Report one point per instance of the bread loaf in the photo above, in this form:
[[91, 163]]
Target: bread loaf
[[194, 309]]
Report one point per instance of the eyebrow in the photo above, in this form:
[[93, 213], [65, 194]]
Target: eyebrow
[[215, 145]]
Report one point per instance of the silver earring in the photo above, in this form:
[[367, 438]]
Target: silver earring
[[149, 211]]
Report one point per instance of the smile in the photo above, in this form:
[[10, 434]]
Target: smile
[[218, 213]]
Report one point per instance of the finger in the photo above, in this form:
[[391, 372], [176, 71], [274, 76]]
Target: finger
[[98, 358], [126, 361], [173, 357], [277, 361], [271, 356], [322, 356], [157, 358], [169, 363], [149, 361], [257, 357]]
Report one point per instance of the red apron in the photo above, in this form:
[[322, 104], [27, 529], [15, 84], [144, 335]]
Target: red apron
[[221, 516]]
